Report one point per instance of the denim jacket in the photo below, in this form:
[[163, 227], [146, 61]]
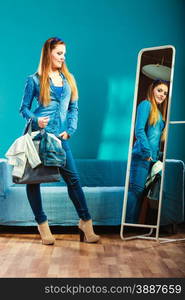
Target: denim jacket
[[148, 136], [63, 112], [51, 151]]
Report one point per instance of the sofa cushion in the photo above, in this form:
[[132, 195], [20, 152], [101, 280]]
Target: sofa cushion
[[95, 172], [104, 203]]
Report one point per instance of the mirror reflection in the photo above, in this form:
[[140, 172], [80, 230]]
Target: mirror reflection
[[149, 136]]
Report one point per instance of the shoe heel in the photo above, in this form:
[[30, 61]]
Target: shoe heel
[[82, 235]]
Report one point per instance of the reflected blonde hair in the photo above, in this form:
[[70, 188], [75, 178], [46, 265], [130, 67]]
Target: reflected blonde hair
[[44, 68], [154, 113]]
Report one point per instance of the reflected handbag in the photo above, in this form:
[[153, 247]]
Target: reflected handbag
[[39, 174], [154, 190]]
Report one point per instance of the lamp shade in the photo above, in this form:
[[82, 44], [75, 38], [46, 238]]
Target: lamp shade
[[157, 72]]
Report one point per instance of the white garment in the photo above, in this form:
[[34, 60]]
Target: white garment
[[156, 168], [22, 149]]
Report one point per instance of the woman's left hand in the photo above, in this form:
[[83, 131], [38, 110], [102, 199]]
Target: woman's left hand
[[149, 158], [64, 135]]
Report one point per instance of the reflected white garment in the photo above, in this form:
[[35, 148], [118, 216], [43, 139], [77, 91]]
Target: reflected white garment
[[156, 168], [22, 149]]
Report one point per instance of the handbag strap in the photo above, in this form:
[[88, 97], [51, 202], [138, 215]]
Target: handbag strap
[[28, 128]]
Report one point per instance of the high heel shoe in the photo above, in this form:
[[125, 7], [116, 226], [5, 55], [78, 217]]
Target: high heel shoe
[[87, 233], [45, 233]]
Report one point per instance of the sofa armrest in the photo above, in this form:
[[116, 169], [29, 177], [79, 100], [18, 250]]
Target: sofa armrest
[[174, 180], [5, 177]]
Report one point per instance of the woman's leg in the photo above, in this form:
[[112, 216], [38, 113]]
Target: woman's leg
[[34, 198], [76, 194], [71, 177], [138, 176]]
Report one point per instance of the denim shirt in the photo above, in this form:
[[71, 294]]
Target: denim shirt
[[63, 112], [148, 136]]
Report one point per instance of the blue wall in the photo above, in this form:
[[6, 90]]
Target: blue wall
[[103, 40]]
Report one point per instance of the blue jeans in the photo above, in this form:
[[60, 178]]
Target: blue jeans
[[70, 176], [138, 175]]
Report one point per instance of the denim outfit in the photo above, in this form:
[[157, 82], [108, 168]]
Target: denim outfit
[[62, 112], [147, 145], [63, 115]]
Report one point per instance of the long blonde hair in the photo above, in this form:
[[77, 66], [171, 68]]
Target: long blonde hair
[[154, 113], [44, 68]]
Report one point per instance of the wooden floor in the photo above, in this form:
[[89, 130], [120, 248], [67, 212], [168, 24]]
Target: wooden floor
[[22, 255]]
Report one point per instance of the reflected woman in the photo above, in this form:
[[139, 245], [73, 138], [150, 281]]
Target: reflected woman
[[149, 133]]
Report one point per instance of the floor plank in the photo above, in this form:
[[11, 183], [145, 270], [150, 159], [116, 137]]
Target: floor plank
[[24, 256]]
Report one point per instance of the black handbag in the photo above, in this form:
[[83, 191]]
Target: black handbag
[[39, 174]]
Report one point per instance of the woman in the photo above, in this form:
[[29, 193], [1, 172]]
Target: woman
[[149, 132], [56, 92]]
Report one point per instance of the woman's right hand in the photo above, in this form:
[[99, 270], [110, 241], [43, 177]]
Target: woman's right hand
[[43, 121]]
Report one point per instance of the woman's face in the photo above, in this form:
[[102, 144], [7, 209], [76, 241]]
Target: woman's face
[[160, 93], [58, 56]]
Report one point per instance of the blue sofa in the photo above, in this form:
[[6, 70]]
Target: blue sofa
[[103, 184]]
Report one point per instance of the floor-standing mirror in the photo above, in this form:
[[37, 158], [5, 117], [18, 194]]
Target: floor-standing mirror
[[148, 139]]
